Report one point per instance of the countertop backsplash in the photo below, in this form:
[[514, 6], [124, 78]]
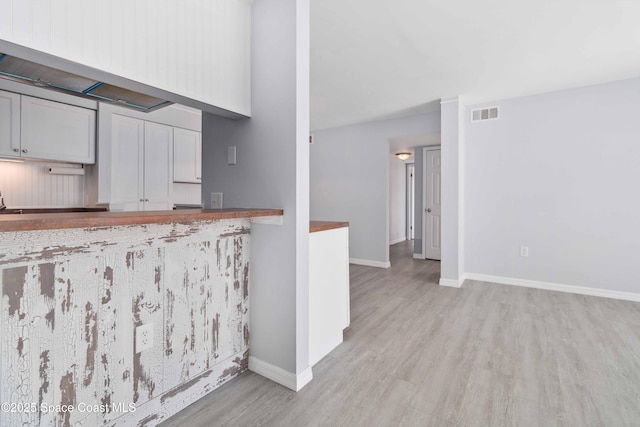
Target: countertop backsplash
[[29, 184]]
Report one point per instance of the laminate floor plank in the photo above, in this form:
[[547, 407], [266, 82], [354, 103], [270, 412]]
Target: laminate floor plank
[[418, 354]]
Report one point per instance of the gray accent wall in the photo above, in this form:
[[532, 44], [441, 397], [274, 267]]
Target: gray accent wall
[[272, 171], [558, 173], [349, 169]]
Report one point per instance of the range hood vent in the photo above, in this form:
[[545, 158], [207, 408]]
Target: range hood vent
[[50, 78]]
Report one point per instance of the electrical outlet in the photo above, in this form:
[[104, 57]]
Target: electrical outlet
[[524, 251], [216, 200], [144, 337]]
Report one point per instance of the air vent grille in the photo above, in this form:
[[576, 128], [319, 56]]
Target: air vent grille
[[482, 114]]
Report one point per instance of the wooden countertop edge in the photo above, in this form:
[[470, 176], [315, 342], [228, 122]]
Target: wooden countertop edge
[[53, 221], [315, 226]]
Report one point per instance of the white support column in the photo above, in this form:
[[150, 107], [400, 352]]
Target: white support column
[[452, 133]]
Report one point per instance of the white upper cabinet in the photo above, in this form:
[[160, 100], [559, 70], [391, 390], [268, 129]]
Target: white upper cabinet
[[199, 49], [35, 128], [141, 165], [9, 124], [127, 152], [158, 154], [187, 156], [55, 131]]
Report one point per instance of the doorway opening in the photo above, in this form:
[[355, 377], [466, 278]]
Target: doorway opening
[[411, 200]]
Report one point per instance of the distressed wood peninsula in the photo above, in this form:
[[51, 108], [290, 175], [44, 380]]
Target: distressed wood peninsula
[[121, 318]]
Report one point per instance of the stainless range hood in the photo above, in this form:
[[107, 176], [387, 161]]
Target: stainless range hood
[[34, 74]]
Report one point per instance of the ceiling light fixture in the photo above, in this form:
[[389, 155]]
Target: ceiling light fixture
[[403, 156]]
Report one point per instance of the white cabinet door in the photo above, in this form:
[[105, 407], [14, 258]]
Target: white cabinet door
[[127, 155], [187, 156], [9, 124], [158, 159], [55, 131]]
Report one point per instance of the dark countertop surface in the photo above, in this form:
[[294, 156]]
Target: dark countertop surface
[[51, 221], [10, 211]]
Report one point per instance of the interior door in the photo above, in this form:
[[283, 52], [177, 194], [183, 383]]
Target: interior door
[[432, 204], [410, 201]]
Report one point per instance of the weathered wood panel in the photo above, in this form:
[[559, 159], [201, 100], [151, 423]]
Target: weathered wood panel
[[116, 338], [71, 302], [75, 334], [27, 343]]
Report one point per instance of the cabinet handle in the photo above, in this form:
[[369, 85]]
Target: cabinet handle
[[24, 150], [17, 150], [142, 200]]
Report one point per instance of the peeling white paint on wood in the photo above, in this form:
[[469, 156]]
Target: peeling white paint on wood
[[71, 300]]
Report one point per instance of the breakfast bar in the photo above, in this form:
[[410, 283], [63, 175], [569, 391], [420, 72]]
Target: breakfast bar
[[126, 317]]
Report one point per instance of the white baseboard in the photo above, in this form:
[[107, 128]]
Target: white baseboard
[[581, 290], [453, 283], [369, 263], [279, 375], [396, 241], [418, 256]]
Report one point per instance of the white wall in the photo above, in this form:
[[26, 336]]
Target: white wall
[[350, 179], [397, 200], [272, 171], [29, 184], [198, 49], [558, 173]]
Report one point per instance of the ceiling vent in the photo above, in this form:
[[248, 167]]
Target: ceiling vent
[[482, 114]]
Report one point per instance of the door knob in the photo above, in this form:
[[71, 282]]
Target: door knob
[[24, 150], [17, 150], [428, 210]]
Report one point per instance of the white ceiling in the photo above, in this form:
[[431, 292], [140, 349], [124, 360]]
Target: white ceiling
[[373, 59]]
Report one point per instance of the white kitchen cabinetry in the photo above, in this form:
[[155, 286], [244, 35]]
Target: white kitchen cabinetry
[[9, 123], [141, 160], [35, 128], [329, 312], [55, 131], [187, 156]]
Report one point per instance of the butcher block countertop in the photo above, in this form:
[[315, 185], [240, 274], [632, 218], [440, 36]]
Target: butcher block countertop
[[315, 226], [51, 221]]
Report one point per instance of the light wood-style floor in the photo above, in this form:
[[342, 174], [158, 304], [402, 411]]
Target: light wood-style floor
[[417, 354]]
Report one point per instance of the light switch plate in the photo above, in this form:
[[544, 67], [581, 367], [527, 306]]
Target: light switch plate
[[216, 200], [231, 155]]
